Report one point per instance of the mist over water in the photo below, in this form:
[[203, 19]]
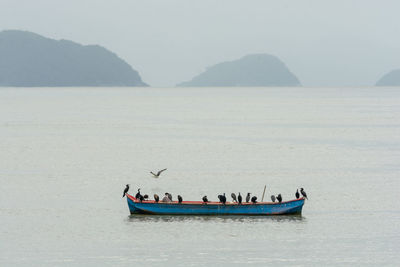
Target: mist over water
[[67, 153]]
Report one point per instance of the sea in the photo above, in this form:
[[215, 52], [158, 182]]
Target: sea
[[66, 155]]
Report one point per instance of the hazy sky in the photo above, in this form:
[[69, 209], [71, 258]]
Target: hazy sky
[[325, 43]]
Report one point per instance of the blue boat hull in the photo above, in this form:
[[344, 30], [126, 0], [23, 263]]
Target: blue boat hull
[[214, 208]]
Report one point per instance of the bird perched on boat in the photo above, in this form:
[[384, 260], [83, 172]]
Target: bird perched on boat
[[273, 198], [233, 195], [138, 194], [146, 197], [248, 198], [158, 173], [156, 198], [303, 193], [166, 198], [254, 199], [141, 198], [222, 198], [239, 199], [180, 199], [205, 200], [169, 196], [279, 198], [297, 194], [126, 190]]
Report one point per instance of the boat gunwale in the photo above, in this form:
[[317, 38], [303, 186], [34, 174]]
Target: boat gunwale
[[135, 200]]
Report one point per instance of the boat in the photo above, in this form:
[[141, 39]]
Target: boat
[[214, 208]]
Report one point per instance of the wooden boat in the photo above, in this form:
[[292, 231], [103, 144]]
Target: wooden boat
[[214, 208]]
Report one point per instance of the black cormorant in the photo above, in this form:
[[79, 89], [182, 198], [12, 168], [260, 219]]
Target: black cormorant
[[233, 197], [156, 198], [248, 198], [205, 200], [273, 198], [254, 199], [239, 199], [180, 199], [222, 198], [138, 194], [303, 193], [126, 190], [297, 194], [158, 173], [279, 198], [146, 196], [169, 196]]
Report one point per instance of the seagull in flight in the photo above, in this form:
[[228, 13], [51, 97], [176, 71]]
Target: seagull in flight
[[158, 173]]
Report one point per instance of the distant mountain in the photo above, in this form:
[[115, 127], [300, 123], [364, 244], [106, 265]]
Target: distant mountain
[[251, 70], [390, 79], [28, 59]]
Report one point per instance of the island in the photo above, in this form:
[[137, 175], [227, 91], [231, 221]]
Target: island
[[250, 70], [30, 60], [390, 79]]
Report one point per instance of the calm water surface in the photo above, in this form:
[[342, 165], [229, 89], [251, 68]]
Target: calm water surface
[[67, 153]]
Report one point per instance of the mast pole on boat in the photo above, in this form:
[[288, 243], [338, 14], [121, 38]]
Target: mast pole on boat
[[262, 200]]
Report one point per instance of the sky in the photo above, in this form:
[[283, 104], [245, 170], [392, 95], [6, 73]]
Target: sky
[[341, 43]]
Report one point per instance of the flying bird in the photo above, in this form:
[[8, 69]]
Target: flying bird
[[303, 193], [239, 199], [273, 198], [158, 173], [126, 190], [297, 194], [248, 198], [234, 197]]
